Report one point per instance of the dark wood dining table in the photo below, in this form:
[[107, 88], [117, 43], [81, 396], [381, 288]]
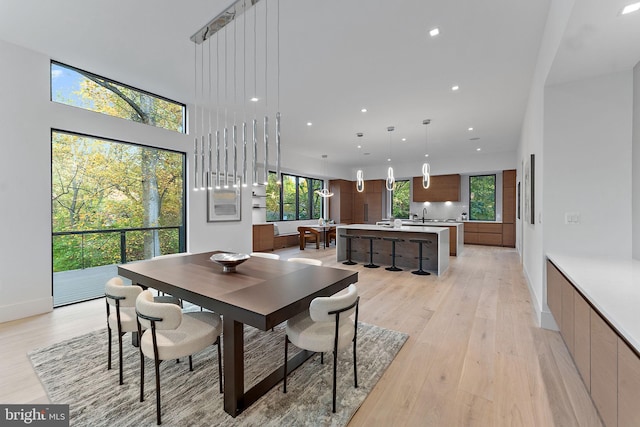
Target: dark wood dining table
[[262, 293]]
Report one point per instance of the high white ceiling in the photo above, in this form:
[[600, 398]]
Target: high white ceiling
[[336, 57]]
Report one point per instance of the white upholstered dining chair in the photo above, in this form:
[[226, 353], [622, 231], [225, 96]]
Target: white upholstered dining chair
[[309, 261], [326, 326], [170, 334], [265, 255], [121, 313]]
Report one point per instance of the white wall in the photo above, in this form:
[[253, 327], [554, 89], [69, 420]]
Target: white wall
[[27, 116], [529, 237], [587, 167], [636, 164]]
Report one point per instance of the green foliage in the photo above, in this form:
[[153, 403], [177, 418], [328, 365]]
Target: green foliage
[[299, 200], [482, 197], [97, 185], [401, 199]]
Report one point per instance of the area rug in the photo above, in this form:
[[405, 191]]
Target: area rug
[[75, 372]]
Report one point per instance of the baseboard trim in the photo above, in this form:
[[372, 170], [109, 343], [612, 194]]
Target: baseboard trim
[[26, 309]]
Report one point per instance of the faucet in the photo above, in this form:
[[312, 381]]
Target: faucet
[[424, 213]]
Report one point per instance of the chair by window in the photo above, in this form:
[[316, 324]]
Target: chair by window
[[265, 255], [123, 318], [306, 234], [327, 326], [170, 334], [309, 261]]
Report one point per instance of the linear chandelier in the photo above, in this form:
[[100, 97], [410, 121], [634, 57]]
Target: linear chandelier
[[231, 122]]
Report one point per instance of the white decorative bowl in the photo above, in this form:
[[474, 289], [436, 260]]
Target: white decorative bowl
[[229, 261]]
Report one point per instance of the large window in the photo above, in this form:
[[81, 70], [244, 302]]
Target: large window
[[295, 199], [482, 197], [86, 90], [112, 202], [401, 201]]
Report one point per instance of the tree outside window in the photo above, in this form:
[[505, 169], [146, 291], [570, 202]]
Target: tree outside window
[[482, 197], [400, 201]]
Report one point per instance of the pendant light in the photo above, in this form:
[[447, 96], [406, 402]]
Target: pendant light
[[325, 191], [426, 169], [359, 172], [390, 182]]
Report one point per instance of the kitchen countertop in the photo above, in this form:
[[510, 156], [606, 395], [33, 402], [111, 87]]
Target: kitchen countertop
[[611, 285], [407, 228], [427, 223]]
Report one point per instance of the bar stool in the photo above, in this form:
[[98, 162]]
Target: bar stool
[[371, 239], [349, 238], [393, 241], [420, 242]]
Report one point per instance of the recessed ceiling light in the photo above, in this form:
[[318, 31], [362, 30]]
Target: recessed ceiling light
[[359, 146], [309, 123], [470, 129], [455, 88], [426, 155], [254, 99], [388, 160], [434, 32], [404, 139], [364, 110], [631, 8], [478, 149]]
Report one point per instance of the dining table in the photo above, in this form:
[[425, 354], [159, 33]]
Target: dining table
[[261, 293]]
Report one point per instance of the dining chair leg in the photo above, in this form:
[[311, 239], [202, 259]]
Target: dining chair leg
[[355, 365], [157, 363], [286, 349], [120, 334], [109, 352], [190, 364], [220, 365], [322, 358], [141, 376], [335, 370]]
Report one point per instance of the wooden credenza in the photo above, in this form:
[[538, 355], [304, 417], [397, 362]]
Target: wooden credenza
[[609, 367], [262, 237]]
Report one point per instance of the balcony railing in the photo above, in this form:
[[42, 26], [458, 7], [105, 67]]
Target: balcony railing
[[83, 249]]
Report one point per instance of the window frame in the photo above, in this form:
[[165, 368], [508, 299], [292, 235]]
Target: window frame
[[142, 91], [309, 200], [495, 195]]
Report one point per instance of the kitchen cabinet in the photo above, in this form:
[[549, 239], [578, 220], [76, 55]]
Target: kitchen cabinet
[[582, 339], [628, 386], [442, 188], [368, 205], [263, 238], [341, 204], [604, 370], [609, 367], [483, 233]]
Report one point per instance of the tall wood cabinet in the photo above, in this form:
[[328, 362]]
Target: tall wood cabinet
[[442, 188], [341, 204], [368, 206], [509, 208]]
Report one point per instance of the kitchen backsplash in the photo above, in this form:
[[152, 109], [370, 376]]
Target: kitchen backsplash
[[440, 210]]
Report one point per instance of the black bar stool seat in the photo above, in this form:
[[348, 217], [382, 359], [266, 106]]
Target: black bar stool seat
[[393, 241], [349, 238], [371, 239], [420, 242]]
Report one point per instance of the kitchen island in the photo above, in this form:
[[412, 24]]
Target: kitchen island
[[456, 231], [435, 254]]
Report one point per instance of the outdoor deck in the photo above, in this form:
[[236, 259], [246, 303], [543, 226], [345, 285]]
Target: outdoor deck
[[81, 285]]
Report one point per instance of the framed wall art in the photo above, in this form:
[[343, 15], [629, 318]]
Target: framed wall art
[[223, 204]]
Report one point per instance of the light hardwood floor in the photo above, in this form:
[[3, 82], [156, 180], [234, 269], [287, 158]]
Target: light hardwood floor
[[474, 356]]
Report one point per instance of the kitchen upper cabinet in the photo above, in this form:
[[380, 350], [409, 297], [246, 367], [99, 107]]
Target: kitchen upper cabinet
[[341, 204], [509, 208], [443, 188]]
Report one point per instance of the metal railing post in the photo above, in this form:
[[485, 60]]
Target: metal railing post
[[123, 247]]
